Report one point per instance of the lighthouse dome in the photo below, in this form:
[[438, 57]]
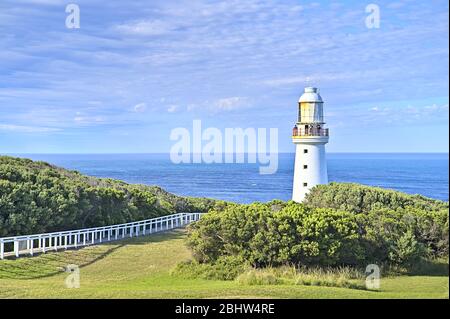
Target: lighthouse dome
[[311, 94]]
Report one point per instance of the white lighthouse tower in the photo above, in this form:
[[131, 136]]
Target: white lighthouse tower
[[309, 137]]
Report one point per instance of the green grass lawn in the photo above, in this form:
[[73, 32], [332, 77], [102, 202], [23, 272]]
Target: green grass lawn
[[140, 268]]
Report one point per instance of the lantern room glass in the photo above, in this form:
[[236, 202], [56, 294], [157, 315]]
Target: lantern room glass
[[310, 112]]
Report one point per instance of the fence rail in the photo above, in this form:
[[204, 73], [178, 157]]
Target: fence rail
[[41, 243]]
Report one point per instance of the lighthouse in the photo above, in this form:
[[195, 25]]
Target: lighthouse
[[309, 136]]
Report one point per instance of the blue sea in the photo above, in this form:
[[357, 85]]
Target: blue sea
[[425, 174]]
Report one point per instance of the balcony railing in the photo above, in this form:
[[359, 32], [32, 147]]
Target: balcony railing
[[310, 132]]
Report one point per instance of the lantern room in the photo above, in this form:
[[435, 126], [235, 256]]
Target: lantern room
[[310, 107]]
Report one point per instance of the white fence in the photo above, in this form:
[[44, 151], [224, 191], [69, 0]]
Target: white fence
[[41, 243]]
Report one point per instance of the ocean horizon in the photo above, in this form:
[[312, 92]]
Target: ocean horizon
[[413, 173]]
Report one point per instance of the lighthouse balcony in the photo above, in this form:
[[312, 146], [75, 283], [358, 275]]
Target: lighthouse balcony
[[299, 133]]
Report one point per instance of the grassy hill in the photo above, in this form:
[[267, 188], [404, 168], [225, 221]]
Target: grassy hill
[[141, 268]]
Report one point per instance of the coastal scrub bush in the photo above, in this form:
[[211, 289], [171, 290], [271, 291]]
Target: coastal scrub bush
[[291, 234], [36, 197], [406, 250], [357, 198], [388, 215], [399, 229]]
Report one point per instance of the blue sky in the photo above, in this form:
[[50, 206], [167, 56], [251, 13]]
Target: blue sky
[[137, 69]]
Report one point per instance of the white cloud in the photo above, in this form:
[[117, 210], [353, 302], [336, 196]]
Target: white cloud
[[231, 103], [399, 115], [395, 5], [140, 108], [320, 78], [88, 120], [145, 27], [172, 108], [27, 129], [44, 2], [221, 105]]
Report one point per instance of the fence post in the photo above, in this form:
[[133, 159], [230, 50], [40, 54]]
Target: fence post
[[16, 248], [31, 246], [2, 249]]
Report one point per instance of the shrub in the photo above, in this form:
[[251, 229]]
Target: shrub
[[357, 198], [294, 234], [388, 215], [406, 251], [36, 197], [372, 231]]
